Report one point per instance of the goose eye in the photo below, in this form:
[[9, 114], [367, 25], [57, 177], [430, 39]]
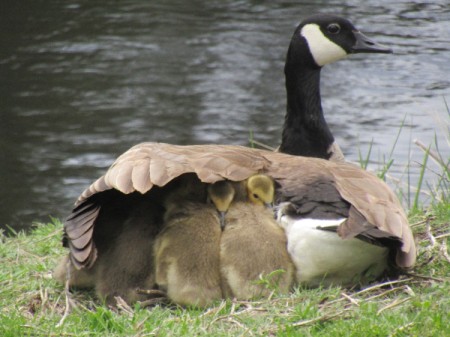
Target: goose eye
[[334, 28]]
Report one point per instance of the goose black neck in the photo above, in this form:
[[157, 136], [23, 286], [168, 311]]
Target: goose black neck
[[305, 131]]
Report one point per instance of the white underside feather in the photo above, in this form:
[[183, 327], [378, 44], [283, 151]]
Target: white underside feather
[[323, 258]]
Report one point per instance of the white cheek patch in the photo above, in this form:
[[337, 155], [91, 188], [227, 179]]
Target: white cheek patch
[[322, 49]]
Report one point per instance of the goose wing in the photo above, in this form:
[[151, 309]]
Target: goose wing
[[330, 190], [140, 169], [155, 164], [374, 201], [314, 188]]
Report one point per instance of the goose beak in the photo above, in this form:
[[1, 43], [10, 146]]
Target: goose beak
[[222, 220], [365, 45], [268, 205]]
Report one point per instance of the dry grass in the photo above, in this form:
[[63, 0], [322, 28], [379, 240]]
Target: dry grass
[[415, 304]]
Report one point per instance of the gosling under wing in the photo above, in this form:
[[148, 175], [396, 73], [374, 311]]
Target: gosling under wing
[[323, 258], [307, 183]]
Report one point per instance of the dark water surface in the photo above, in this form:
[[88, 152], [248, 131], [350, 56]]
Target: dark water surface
[[82, 81]]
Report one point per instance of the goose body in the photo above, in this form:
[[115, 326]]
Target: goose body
[[306, 188], [187, 251], [253, 247], [187, 255], [127, 264], [334, 261], [362, 207], [83, 278], [252, 244]]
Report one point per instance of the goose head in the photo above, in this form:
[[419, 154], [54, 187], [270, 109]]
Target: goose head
[[318, 40], [330, 38], [221, 194], [261, 190]]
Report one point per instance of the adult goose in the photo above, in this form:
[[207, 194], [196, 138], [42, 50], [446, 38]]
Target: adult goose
[[317, 41], [363, 207], [306, 187]]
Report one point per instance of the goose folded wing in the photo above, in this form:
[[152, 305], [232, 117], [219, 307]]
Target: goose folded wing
[[377, 204], [78, 231], [138, 170], [322, 189]]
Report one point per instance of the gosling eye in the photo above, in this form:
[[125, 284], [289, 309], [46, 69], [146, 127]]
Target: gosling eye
[[255, 196], [334, 28]]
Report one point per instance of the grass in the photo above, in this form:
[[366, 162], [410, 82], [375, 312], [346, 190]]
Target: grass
[[437, 192], [32, 304], [417, 304]]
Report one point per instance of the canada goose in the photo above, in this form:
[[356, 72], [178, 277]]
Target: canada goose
[[221, 194], [261, 190], [127, 264], [306, 187], [187, 250], [252, 245], [124, 233], [318, 40]]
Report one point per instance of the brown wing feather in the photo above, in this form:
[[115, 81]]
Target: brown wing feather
[[372, 198], [310, 184], [98, 186], [84, 240], [84, 222], [140, 176], [83, 257], [379, 206], [78, 230]]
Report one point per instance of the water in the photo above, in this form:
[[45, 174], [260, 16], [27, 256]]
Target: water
[[82, 81]]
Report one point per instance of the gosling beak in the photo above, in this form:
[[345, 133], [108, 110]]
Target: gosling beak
[[222, 219], [268, 205], [365, 45]]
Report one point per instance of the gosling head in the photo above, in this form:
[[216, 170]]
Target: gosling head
[[221, 194], [261, 190]]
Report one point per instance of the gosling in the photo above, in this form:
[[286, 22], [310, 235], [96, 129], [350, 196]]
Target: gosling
[[187, 251], [252, 245]]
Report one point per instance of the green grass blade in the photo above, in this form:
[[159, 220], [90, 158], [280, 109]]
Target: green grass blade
[[421, 175]]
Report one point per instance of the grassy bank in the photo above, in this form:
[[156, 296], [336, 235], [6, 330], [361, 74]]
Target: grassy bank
[[32, 304], [417, 304]]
